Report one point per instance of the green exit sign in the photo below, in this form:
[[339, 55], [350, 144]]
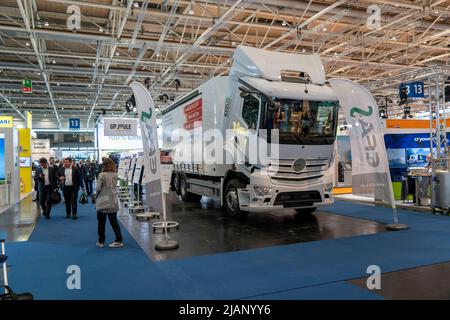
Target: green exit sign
[[27, 86]]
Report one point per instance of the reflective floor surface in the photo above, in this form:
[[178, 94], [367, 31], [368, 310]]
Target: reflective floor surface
[[205, 229], [17, 223]]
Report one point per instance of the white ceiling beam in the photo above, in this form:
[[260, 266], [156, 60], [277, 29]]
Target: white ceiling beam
[[34, 44]]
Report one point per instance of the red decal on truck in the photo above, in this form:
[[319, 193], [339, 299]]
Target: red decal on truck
[[193, 115]]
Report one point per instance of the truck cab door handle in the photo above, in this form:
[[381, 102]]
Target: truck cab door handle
[[236, 140]]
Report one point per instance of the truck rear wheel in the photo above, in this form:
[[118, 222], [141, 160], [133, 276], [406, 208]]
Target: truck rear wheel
[[231, 199], [187, 196], [176, 183]]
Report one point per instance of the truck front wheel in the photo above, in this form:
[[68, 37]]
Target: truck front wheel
[[187, 196], [231, 199]]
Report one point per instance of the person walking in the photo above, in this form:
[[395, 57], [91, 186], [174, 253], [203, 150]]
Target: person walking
[[100, 166], [107, 204], [88, 174], [45, 178], [70, 179]]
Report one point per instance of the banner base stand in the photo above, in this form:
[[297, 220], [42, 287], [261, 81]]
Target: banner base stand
[[147, 215], [397, 226], [162, 225], [166, 244]]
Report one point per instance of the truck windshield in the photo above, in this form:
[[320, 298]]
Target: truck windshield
[[303, 121]]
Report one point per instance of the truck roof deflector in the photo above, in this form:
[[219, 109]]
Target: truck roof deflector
[[255, 62]]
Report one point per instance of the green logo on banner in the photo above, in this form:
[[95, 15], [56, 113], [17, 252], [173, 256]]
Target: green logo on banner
[[146, 115]]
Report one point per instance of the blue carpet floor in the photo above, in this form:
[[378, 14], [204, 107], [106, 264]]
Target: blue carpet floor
[[313, 270]]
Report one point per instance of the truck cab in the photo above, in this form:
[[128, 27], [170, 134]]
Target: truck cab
[[286, 93]]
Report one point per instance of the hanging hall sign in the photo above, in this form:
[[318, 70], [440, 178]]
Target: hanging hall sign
[[120, 127]]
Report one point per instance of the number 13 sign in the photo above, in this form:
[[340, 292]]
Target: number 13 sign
[[74, 124]]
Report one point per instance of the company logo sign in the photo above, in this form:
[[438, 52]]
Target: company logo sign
[[6, 121], [120, 127], [193, 115]]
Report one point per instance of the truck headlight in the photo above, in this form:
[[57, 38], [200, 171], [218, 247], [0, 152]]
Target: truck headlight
[[328, 187], [262, 191]]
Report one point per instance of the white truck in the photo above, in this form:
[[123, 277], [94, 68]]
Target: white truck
[[264, 90]]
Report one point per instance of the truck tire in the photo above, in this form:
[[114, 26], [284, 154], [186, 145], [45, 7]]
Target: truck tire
[[187, 196], [231, 199], [305, 211], [176, 183]]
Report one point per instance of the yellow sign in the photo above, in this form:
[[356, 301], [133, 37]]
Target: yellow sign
[[29, 117], [6, 121], [24, 153]]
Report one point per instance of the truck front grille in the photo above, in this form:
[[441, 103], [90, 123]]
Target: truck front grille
[[281, 171]]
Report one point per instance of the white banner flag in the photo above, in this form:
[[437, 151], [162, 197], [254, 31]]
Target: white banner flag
[[370, 168], [151, 161]]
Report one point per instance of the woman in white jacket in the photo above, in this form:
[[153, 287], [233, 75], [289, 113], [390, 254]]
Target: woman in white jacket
[[106, 188]]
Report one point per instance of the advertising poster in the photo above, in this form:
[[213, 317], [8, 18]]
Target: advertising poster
[[405, 151], [396, 158], [2, 159], [417, 157], [118, 142], [193, 114]]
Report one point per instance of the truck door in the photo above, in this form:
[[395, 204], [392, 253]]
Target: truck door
[[246, 124]]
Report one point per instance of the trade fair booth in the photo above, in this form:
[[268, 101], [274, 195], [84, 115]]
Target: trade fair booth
[[9, 163]]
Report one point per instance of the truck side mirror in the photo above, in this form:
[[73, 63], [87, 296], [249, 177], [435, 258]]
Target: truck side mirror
[[245, 92]]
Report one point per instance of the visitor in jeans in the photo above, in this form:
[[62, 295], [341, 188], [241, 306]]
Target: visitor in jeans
[[106, 185]]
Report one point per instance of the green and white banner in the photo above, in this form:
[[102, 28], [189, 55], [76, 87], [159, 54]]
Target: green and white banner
[[370, 168], [151, 161]]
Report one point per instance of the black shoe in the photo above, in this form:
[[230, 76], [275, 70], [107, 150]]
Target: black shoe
[[47, 216], [74, 217], [67, 216]]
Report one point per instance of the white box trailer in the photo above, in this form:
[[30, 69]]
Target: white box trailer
[[265, 90]]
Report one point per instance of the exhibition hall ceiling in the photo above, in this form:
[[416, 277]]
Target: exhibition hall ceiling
[[82, 55]]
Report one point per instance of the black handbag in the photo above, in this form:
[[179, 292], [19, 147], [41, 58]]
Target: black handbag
[[93, 198], [10, 295], [83, 198], [55, 197]]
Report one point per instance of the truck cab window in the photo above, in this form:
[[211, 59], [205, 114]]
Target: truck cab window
[[303, 121], [250, 111]]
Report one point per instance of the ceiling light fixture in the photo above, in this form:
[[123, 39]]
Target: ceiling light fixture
[[46, 23], [136, 5], [324, 29], [54, 62], [191, 8], [284, 24], [101, 29], [27, 44], [117, 53]]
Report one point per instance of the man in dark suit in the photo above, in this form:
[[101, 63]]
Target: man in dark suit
[[53, 164], [88, 174], [45, 178], [70, 178]]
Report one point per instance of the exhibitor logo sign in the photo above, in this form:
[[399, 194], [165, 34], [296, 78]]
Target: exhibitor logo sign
[[114, 127]]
